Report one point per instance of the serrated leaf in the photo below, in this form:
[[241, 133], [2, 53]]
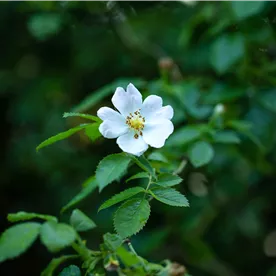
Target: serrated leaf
[[17, 239], [80, 221], [88, 187], [138, 175], [93, 132], [60, 136], [131, 217], [19, 216], [111, 168], [71, 270], [169, 196], [201, 153], [126, 194], [168, 180], [53, 265], [56, 236], [112, 241], [81, 115], [104, 91], [227, 136], [157, 156]]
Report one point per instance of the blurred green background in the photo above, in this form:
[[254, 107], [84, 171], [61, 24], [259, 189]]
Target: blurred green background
[[56, 54]]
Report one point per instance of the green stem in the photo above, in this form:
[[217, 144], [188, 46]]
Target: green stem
[[135, 253], [150, 177]]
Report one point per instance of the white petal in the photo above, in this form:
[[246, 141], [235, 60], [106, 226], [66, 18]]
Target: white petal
[[129, 144], [113, 129], [150, 106], [165, 112], [155, 134], [127, 102], [106, 113]]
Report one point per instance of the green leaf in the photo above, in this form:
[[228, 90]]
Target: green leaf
[[111, 168], [56, 236], [157, 156], [244, 9], [112, 241], [169, 196], [93, 132], [201, 153], [71, 270], [184, 136], [227, 136], [131, 217], [53, 265], [60, 136], [88, 187], [106, 90], [143, 163], [17, 239], [226, 51], [80, 221], [128, 258], [19, 216], [168, 180], [126, 194], [138, 175], [84, 116]]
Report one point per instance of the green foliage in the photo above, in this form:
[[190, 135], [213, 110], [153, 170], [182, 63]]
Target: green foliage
[[43, 26], [19, 216], [112, 241], [80, 221], [60, 136], [131, 217], [143, 163], [201, 153], [56, 236], [226, 51], [17, 239], [227, 137], [93, 132], [184, 135], [126, 194], [168, 180], [244, 9], [88, 187], [81, 115], [138, 176], [55, 263], [157, 156], [111, 168], [71, 270], [169, 196]]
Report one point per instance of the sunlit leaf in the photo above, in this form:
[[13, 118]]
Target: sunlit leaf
[[138, 176], [17, 239], [170, 196], [111, 168], [131, 217], [60, 136], [168, 180], [80, 221], [19, 216], [56, 236]]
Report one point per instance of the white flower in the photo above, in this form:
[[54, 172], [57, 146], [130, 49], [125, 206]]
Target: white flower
[[137, 124]]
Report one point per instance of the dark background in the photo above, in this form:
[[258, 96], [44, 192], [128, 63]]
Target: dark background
[[54, 54]]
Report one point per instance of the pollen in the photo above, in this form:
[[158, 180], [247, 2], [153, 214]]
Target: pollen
[[136, 122]]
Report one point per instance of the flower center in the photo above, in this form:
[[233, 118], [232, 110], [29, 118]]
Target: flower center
[[136, 122]]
